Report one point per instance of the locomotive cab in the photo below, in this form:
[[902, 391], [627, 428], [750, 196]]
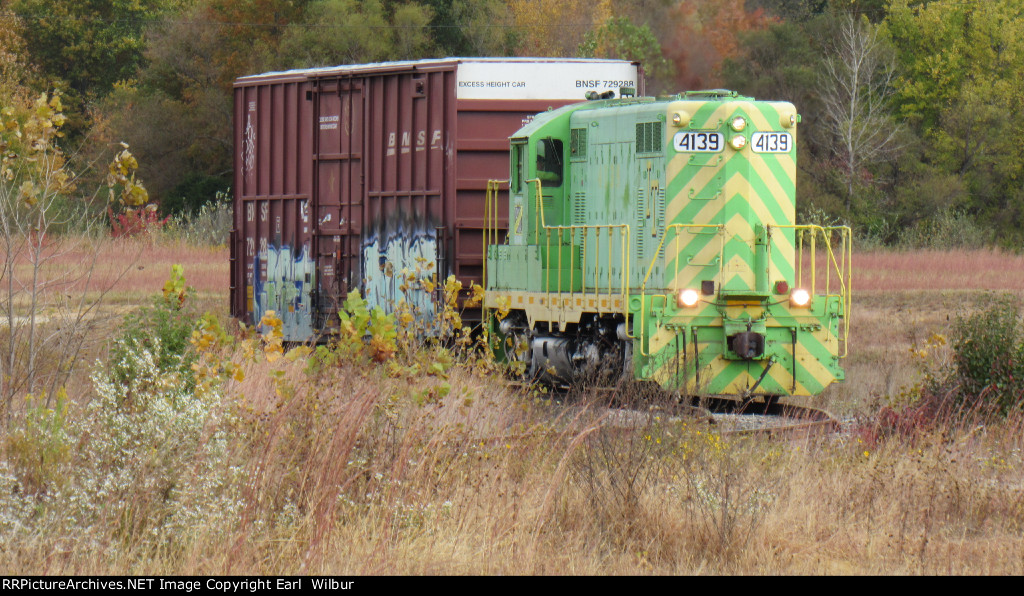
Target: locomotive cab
[[657, 239]]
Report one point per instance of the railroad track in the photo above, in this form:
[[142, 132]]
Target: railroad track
[[772, 418], [729, 417]]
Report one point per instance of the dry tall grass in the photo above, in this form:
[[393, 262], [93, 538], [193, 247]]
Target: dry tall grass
[[352, 468], [347, 471], [938, 270], [86, 285]]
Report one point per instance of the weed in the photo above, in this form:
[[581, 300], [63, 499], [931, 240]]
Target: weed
[[209, 226], [38, 451], [163, 329], [617, 468], [978, 376], [367, 331], [730, 492], [989, 356], [284, 459], [135, 222]]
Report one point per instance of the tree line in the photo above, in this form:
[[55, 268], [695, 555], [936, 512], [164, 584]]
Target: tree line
[[908, 106]]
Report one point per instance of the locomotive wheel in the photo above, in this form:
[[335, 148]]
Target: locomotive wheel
[[514, 345], [519, 356]]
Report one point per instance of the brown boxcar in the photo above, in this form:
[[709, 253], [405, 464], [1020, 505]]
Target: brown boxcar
[[364, 176]]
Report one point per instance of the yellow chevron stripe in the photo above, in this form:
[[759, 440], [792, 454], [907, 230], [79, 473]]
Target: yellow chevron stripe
[[787, 380], [758, 204], [660, 340], [737, 184], [703, 178], [760, 170], [688, 274], [739, 225], [718, 365], [764, 121], [736, 265], [781, 375], [812, 365], [756, 117], [721, 113]]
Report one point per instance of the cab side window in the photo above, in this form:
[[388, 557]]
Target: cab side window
[[518, 167], [549, 161]]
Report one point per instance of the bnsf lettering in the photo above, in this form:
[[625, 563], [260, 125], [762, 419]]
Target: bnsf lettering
[[604, 84]]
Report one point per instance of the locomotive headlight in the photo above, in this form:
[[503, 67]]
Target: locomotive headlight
[[680, 118], [738, 142], [738, 123], [688, 298], [800, 297]]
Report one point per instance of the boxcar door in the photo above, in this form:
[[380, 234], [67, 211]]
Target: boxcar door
[[339, 191]]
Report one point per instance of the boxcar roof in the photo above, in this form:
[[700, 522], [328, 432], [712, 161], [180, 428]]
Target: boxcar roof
[[400, 66]]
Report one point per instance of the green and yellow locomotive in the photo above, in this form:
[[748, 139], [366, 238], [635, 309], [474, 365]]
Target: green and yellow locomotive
[[655, 239]]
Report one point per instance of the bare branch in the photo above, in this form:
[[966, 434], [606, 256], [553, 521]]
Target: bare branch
[[856, 91]]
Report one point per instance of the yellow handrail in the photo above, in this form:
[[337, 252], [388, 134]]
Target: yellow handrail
[[842, 266], [657, 254], [623, 235], [490, 220]]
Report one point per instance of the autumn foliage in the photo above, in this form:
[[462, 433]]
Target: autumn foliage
[[706, 33]]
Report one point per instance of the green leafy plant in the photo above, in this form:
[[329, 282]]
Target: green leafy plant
[[165, 329], [39, 448], [979, 374], [368, 331], [988, 349]]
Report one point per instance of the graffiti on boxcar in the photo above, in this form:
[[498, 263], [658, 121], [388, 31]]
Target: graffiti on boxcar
[[249, 148], [285, 285], [395, 272]]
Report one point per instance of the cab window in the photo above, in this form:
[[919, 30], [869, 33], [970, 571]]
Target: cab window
[[549, 161], [518, 167]]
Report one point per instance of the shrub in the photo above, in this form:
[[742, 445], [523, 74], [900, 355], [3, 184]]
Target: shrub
[[41, 446], [988, 356], [135, 222], [979, 375], [146, 463], [947, 230], [164, 329], [193, 193], [209, 225]]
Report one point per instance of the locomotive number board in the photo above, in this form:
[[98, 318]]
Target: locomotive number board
[[771, 142], [698, 142]]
